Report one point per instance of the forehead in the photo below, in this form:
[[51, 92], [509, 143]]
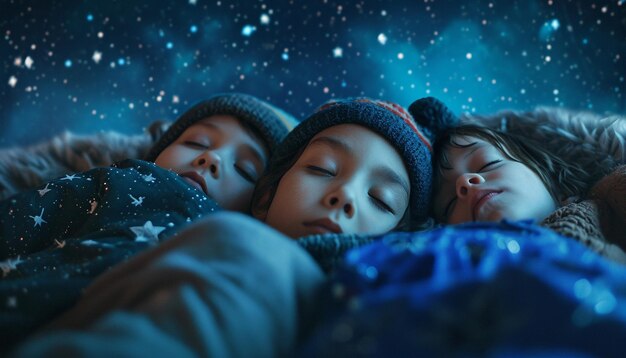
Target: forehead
[[230, 127], [365, 147]]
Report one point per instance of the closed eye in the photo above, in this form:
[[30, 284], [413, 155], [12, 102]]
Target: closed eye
[[245, 174], [382, 205], [491, 163], [196, 144], [320, 170]]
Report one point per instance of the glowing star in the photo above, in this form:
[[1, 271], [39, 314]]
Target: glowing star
[[12, 81], [265, 19], [94, 205], [38, 219], [248, 30], [96, 57], [18, 61], [147, 233], [9, 265], [192, 2], [338, 52], [28, 62], [69, 177], [382, 39], [45, 190], [60, 244], [149, 178], [136, 201]]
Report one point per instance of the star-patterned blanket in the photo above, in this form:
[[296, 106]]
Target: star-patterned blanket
[[55, 239]]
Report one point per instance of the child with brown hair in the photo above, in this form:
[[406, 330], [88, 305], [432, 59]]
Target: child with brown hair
[[488, 175]]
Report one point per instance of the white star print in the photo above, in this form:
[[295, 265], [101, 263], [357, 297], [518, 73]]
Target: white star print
[[9, 265], [147, 232], [136, 201], [43, 191], [69, 177], [149, 178], [38, 219]]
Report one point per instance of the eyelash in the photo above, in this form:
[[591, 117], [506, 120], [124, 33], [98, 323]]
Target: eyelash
[[244, 174], [493, 162], [196, 144], [447, 209], [382, 205], [321, 170]]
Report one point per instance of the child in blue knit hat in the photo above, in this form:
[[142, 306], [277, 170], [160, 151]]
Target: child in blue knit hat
[[55, 240], [354, 166]]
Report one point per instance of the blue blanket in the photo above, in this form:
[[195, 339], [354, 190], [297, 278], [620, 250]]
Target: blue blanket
[[478, 289]]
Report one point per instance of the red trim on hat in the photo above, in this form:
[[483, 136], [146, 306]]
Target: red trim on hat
[[393, 108]]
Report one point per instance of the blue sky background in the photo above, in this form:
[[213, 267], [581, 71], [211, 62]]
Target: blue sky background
[[156, 59]]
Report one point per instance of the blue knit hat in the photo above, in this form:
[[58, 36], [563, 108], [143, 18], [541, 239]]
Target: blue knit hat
[[411, 134], [270, 122]]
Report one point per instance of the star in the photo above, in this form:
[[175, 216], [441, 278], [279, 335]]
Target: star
[[147, 232], [12, 81], [60, 244], [97, 56], [136, 201], [43, 191], [149, 178], [38, 219], [69, 177], [9, 265], [338, 52], [94, 205]]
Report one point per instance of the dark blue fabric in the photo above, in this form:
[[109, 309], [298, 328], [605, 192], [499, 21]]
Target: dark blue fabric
[[46, 266], [497, 289]]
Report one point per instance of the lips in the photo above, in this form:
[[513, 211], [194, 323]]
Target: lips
[[196, 180], [323, 226], [480, 199]]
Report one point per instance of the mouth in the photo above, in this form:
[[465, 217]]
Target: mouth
[[480, 199], [196, 180], [323, 226]]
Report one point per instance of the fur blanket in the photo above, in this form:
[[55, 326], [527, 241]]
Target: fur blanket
[[31, 167]]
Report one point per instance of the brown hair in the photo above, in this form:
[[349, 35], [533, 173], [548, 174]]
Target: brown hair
[[562, 179]]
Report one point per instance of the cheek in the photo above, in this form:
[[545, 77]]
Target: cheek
[[171, 157]]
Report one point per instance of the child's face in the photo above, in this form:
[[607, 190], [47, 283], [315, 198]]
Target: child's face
[[348, 179], [485, 185], [219, 157]]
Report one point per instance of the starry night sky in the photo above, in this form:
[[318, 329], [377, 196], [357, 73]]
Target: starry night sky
[[89, 65]]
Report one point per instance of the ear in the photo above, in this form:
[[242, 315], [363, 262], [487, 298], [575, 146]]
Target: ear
[[259, 211]]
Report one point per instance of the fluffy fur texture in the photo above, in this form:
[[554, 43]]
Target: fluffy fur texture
[[31, 167], [597, 142]]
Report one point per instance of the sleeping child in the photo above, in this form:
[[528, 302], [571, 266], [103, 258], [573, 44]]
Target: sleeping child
[[229, 285], [487, 175], [55, 240]]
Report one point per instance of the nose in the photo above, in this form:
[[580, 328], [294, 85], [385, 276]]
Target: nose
[[341, 198], [466, 182], [210, 160]]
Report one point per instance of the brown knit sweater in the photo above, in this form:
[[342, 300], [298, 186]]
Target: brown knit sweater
[[599, 222]]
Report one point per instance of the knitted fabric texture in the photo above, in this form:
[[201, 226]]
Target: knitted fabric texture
[[271, 122], [600, 221], [402, 130]]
